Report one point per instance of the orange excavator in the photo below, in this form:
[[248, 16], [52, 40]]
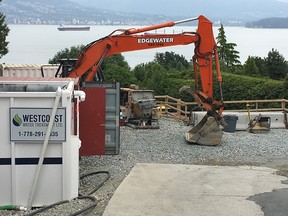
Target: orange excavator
[[88, 67]]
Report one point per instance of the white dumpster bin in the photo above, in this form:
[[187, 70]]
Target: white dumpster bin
[[38, 163]]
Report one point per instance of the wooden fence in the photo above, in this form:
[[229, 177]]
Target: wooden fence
[[169, 106]]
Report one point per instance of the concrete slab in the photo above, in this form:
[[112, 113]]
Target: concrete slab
[[167, 189]]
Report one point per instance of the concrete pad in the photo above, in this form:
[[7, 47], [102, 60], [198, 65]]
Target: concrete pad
[[169, 189]]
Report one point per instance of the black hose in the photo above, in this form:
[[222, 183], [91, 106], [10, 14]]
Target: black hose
[[92, 198], [100, 185], [46, 208], [93, 205]]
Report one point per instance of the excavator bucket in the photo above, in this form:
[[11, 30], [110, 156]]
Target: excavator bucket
[[206, 132]]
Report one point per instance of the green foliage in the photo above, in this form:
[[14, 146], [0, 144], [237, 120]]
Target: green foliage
[[285, 86], [170, 60], [154, 76], [67, 53], [251, 68], [4, 30], [237, 87], [114, 72], [261, 64], [228, 56], [277, 67], [232, 55], [140, 72], [221, 41], [250, 82], [115, 59], [117, 69], [255, 66]]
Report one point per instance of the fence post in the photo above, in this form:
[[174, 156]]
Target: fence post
[[186, 110], [283, 105], [178, 107], [166, 103]]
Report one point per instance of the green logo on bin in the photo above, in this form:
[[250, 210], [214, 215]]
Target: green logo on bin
[[17, 120]]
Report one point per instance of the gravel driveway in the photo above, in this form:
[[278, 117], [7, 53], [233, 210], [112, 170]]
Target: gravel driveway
[[168, 145]]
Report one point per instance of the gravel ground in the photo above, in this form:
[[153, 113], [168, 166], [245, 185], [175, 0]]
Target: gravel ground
[[168, 145]]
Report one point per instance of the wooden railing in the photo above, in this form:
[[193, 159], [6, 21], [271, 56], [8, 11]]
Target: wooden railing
[[169, 106]]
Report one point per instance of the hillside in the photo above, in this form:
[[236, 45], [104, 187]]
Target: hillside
[[68, 12], [130, 12], [269, 23], [240, 11]]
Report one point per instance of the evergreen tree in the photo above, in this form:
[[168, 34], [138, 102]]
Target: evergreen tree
[[250, 67], [228, 56], [4, 30], [221, 41], [277, 67], [261, 64]]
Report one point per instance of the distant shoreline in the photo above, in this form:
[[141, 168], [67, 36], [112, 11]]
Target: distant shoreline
[[269, 23]]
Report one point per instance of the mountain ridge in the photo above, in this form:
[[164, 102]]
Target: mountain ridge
[[131, 12]]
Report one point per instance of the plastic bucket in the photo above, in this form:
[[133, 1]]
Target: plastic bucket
[[231, 121]]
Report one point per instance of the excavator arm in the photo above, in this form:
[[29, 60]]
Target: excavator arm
[[91, 58], [125, 40]]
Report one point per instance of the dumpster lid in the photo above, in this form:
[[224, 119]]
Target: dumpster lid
[[33, 84]]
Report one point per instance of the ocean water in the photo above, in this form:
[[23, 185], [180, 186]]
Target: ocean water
[[36, 44]]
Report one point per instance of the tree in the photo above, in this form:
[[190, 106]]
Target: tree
[[221, 41], [152, 76], [114, 72], [277, 67], [285, 85], [116, 68], [67, 53], [228, 56], [140, 72], [261, 64], [4, 30], [170, 60], [251, 68], [116, 59]]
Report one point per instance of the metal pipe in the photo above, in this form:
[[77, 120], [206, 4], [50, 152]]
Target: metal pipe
[[185, 20], [154, 27], [44, 147]]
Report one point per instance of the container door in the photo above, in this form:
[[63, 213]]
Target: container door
[[105, 97], [92, 122]]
